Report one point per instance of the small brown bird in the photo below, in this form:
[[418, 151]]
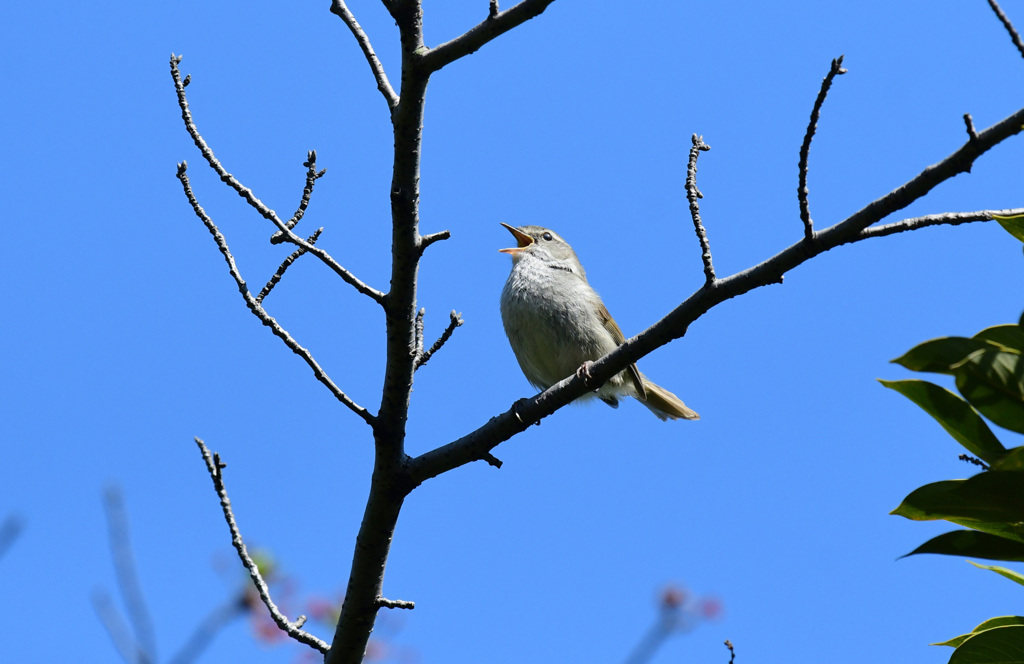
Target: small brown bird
[[557, 324]]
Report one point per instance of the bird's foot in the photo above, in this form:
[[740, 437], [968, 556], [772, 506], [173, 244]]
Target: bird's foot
[[583, 373]]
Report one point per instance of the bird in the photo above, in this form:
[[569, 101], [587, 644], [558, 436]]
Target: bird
[[557, 324]]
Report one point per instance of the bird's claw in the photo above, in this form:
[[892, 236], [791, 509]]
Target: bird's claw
[[583, 373]]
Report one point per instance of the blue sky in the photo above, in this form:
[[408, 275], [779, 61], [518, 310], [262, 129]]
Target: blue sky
[[124, 336]]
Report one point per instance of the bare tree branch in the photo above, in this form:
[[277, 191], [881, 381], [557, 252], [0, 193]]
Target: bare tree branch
[[692, 195], [257, 309], [475, 445], [127, 575], [1008, 25], [214, 466], [341, 9], [256, 203], [294, 256], [424, 357], [312, 175], [496, 24], [805, 148]]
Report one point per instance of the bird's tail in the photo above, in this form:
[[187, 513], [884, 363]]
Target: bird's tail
[[664, 404]]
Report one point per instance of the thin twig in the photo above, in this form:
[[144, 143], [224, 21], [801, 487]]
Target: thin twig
[[117, 630], [692, 195], [257, 204], [395, 603], [454, 322], [972, 133], [977, 462], [732, 651], [493, 10], [257, 309], [341, 9], [805, 148], [215, 468], [495, 25], [1008, 25], [127, 575], [312, 175], [294, 256], [427, 240], [944, 219]]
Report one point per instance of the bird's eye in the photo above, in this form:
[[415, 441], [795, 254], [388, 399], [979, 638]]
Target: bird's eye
[[546, 236]]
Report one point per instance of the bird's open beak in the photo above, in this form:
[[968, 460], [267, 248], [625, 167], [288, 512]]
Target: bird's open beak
[[522, 238]]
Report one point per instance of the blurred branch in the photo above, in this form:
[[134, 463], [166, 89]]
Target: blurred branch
[[120, 635], [805, 148], [201, 638], [732, 651], [214, 466], [678, 613], [10, 530], [257, 309], [144, 639]]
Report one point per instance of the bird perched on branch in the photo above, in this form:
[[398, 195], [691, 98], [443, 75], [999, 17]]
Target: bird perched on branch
[[557, 324]]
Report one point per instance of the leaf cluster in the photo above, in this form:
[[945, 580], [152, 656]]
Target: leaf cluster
[[988, 370]]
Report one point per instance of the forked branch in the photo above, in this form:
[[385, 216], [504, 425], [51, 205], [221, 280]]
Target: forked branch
[[496, 24], [312, 175], [424, 356], [257, 204], [257, 309]]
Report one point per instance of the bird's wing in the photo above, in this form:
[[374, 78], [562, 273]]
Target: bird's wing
[[616, 332]]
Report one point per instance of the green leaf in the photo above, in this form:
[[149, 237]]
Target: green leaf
[[1014, 225], [999, 645], [940, 355], [1010, 337], [993, 382], [1013, 459], [954, 414], [1008, 573], [988, 624], [973, 544], [992, 502]]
